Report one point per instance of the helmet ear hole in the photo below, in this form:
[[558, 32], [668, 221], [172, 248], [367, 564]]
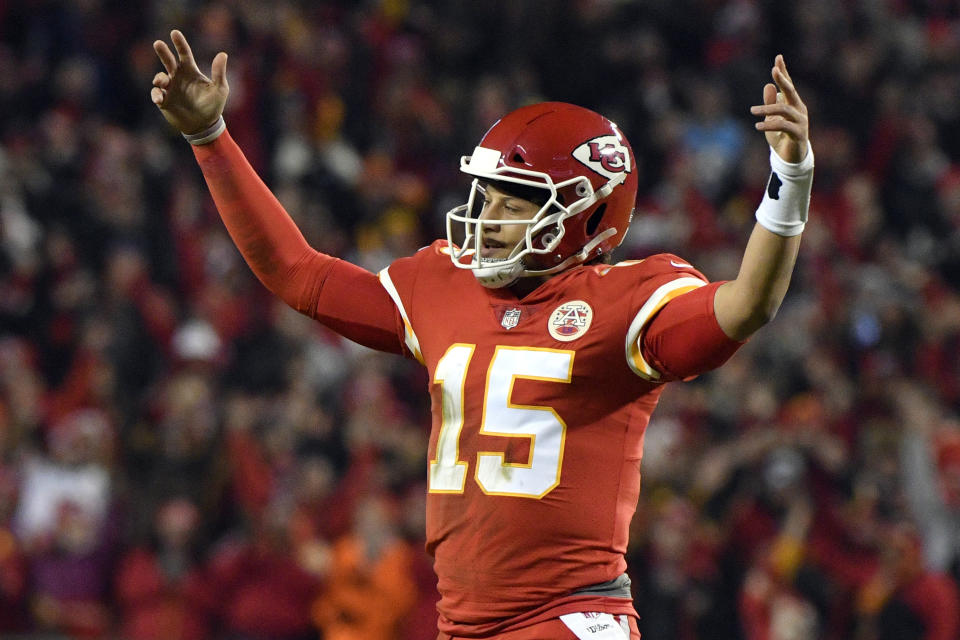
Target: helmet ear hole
[[518, 158], [547, 237], [595, 218]]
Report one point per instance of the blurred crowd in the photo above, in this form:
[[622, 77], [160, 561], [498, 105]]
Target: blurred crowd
[[182, 457]]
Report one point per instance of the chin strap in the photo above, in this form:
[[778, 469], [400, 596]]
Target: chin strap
[[607, 189], [497, 277], [581, 256]]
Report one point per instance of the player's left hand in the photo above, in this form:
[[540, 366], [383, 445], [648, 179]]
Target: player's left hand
[[785, 120]]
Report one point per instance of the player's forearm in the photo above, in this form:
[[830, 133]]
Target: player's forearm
[[342, 296], [264, 233], [751, 300]]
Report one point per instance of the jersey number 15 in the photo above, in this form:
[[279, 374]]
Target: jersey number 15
[[545, 430]]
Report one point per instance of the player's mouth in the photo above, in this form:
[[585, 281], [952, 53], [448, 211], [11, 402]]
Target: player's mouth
[[493, 249]]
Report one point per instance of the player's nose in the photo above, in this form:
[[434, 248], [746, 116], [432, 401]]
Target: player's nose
[[490, 227], [488, 216]]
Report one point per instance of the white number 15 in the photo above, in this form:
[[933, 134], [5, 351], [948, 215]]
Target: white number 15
[[545, 430]]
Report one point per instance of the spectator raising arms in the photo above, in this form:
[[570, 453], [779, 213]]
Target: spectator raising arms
[[545, 360]]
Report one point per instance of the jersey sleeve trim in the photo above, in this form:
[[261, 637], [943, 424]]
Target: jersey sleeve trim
[[409, 337], [654, 303]]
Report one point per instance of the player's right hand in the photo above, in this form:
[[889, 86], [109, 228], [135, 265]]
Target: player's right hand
[[189, 100]]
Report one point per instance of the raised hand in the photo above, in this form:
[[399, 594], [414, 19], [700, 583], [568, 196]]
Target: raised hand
[[189, 100], [785, 120]]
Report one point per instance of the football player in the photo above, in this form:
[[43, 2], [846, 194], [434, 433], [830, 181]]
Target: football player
[[547, 363]]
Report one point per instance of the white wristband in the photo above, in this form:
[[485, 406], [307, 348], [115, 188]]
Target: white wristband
[[209, 134], [786, 202]]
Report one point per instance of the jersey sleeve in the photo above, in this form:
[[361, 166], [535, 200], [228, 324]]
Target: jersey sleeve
[[674, 334], [400, 281], [340, 295], [684, 339], [352, 303]]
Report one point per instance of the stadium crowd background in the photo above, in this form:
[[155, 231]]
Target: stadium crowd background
[[182, 457]]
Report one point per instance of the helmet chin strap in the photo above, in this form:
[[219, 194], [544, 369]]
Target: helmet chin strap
[[606, 189], [581, 256], [499, 276]]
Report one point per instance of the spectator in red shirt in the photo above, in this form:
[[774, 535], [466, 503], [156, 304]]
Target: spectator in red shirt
[[905, 601], [160, 588]]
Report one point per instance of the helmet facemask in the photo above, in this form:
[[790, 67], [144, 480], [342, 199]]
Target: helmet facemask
[[536, 254]]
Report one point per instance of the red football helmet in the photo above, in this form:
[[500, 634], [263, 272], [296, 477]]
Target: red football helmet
[[582, 167]]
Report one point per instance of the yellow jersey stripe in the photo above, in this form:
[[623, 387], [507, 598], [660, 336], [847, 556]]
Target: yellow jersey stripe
[[654, 303]]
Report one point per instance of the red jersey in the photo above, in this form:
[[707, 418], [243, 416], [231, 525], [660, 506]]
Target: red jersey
[[539, 404], [539, 410]]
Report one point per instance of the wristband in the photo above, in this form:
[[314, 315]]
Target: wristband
[[208, 135], [786, 202]]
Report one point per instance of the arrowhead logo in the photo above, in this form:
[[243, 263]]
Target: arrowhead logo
[[606, 155]]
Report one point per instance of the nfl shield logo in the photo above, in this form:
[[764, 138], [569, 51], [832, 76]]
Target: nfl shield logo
[[510, 318]]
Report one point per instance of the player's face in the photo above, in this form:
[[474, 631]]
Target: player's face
[[500, 238]]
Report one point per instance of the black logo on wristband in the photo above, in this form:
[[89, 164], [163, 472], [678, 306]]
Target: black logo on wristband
[[773, 186]]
